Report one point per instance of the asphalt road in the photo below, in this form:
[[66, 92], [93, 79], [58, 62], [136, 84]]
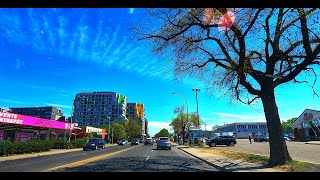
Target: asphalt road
[[141, 158]]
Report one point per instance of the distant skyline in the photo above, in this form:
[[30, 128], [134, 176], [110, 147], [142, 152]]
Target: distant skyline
[[50, 55]]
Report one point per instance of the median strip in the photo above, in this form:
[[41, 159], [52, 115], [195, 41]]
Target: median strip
[[86, 161]]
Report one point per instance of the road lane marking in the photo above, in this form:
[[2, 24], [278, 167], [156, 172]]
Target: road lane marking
[[147, 158], [82, 162]]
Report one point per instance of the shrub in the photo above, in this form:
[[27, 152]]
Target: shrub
[[8, 147], [61, 144], [78, 143]]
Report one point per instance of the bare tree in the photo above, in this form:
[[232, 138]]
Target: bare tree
[[263, 49]]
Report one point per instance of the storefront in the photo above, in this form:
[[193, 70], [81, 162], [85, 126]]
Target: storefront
[[307, 126], [20, 128]]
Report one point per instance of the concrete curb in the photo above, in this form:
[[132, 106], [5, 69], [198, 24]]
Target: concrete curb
[[313, 143], [220, 168]]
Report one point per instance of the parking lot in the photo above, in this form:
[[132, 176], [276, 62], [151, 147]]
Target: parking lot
[[298, 150]]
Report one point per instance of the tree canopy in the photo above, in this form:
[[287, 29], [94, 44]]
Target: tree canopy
[[162, 133], [245, 53]]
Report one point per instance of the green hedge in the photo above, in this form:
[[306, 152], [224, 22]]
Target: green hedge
[[78, 143], [8, 147]]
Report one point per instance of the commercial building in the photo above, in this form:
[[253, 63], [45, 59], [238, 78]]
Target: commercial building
[[19, 128], [136, 111], [243, 129], [307, 125], [97, 108], [45, 112]]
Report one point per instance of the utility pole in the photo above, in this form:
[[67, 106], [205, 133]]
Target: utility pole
[[109, 130], [197, 90], [70, 132]]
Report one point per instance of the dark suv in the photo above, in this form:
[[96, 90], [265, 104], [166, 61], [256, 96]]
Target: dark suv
[[261, 138], [94, 144], [222, 140]]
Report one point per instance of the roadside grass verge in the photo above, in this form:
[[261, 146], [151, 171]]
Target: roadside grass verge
[[293, 166]]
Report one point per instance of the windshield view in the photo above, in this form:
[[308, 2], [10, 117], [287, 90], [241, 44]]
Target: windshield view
[[159, 89]]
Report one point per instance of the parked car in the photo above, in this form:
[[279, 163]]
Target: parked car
[[141, 140], [148, 141], [94, 144], [164, 143], [135, 142], [123, 142], [261, 138], [221, 140]]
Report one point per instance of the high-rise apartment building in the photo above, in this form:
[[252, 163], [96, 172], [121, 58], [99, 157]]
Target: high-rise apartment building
[[95, 108], [136, 111], [45, 112]]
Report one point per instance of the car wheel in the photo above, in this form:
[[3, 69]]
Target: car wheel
[[102, 146], [84, 149], [96, 148], [157, 147], [169, 148], [213, 145], [231, 143]]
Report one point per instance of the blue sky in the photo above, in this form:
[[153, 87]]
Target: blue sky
[[49, 55]]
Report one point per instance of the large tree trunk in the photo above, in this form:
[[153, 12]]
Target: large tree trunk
[[279, 154]]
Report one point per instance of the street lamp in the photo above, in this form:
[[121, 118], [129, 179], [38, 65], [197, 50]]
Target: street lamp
[[109, 130], [71, 124], [197, 90], [187, 115]]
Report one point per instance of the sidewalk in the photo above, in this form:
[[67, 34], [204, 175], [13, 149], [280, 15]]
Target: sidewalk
[[52, 151], [226, 164]]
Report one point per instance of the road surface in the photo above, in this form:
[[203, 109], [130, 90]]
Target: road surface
[[141, 158]]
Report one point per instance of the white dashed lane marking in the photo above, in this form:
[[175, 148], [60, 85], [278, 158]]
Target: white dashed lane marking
[[147, 158]]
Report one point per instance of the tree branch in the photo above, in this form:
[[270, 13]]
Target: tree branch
[[305, 32], [252, 22], [300, 67]]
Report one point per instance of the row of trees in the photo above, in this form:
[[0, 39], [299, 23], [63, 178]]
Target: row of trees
[[183, 121], [124, 129]]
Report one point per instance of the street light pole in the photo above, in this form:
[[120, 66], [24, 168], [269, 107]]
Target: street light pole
[[71, 124], [187, 115], [197, 90], [109, 130]]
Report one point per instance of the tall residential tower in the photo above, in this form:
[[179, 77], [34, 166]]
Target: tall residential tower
[[95, 108]]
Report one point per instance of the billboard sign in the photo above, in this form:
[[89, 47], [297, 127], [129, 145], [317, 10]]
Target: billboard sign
[[11, 118]]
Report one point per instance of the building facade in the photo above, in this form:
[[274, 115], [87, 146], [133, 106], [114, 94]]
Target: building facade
[[97, 108], [307, 125], [136, 111], [45, 112], [243, 129]]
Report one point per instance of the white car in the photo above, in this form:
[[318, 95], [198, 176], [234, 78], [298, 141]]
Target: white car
[[286, 138]]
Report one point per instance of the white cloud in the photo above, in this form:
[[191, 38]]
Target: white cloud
[[131, 10], [155, 127], [11, 101], [59, 105], [239, 116], [223, 118], [52, 33]]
